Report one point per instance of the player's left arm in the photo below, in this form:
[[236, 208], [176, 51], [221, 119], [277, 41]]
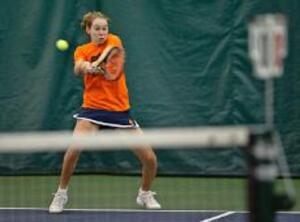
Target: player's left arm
[[114, 64], [111, 62]]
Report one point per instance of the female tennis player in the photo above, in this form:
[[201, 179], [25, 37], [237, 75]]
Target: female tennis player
[[105, 104]]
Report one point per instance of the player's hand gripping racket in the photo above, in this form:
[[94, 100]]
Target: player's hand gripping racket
[[110, 62]]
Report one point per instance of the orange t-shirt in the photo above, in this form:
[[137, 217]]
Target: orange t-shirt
[[99, 93]]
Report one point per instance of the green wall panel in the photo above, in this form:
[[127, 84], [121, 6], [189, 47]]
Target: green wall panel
[[187, 65]]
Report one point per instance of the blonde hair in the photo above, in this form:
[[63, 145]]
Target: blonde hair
[[89, 17]]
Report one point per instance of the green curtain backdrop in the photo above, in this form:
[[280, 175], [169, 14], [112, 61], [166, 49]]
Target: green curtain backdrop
[[187, 65]]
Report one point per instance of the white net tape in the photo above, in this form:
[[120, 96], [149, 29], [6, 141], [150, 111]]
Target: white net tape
[[123, 139]]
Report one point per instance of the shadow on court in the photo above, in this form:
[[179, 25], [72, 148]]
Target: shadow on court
[[42, 215]]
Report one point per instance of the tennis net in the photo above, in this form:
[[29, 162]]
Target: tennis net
[[104, 186]]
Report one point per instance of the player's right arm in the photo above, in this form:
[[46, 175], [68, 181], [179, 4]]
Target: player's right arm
[[82, 67]]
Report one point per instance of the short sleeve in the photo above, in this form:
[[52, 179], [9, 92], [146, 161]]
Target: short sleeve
[[115, 41], [79, 54]]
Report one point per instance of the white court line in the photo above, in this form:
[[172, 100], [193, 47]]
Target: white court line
[[288, 212], [115, 210], [140, 210], [218, 217]]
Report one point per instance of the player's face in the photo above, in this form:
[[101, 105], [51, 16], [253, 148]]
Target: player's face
[[98, 30]]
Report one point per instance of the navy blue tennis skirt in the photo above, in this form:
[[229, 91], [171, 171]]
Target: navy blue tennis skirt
[[107, 118]]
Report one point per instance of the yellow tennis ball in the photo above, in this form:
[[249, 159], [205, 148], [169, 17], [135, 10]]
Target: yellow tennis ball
[[62, 45]]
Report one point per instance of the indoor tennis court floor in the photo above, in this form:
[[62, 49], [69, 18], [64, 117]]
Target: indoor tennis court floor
[[115, 215]]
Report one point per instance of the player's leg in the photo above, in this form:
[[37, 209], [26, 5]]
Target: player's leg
[[147, 157], [70, 160], [149, 165], [72, 153]]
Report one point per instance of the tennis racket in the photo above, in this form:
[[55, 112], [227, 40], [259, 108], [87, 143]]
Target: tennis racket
[[110, 62]]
